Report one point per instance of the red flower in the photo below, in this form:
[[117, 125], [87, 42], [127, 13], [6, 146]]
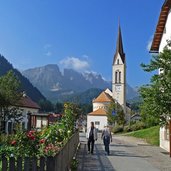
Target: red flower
[[31, 135], [32, 132], [13, 142], [42, 141]]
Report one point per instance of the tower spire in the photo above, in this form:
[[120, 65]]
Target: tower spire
[[119, 46], [119, 42]]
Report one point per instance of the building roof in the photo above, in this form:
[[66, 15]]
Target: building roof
[[40, 114], [109, 92], [26, 101], [103, 97], [160, 26], [119, 47], [98, 112]]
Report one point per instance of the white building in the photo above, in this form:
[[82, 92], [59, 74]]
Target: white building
[[162, 34], [28, 108], [99, 114], [118, 94]]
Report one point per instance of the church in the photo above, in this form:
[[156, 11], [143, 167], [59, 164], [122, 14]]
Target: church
[[118, 93]]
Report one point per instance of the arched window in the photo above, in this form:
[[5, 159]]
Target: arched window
[[117, 61], [116, 76], [119, 77]]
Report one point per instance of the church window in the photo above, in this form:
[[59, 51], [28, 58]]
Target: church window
[[116, 76], [117, 61], [119, 77]]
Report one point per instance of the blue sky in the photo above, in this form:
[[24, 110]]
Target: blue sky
[[78, 34]]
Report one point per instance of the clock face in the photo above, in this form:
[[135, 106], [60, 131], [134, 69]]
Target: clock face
[[117, 88]]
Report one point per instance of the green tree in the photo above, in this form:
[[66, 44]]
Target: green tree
[[111, 113], [9, 97], [46, 106], [71, 113], [115, 114], [156, 96], [59, 108], [75, 109]]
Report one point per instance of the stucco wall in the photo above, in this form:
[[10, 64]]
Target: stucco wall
[[163, 142], [167, 33], [25, 119], [101, 119], [120, 96], [103, 105]]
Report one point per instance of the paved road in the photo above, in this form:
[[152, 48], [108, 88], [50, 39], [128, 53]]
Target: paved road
[[127, 154]]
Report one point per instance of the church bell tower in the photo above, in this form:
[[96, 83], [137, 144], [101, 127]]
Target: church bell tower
[[119, 73]]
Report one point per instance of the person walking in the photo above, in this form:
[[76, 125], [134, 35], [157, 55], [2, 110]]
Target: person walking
[[92, 137], [107, 138]]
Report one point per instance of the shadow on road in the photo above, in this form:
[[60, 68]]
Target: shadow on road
[[96, 162], [125, 154], [121, 145]]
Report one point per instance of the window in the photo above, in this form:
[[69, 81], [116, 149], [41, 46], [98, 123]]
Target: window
[[116, 76], [119, 77], [10, 125], [97, 123], [117, 61], [166, 133], [23, 125]]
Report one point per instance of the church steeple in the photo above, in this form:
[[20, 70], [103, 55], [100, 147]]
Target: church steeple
[[119, 73], [119, 47]]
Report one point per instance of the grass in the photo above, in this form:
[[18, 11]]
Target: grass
[[150, 135]]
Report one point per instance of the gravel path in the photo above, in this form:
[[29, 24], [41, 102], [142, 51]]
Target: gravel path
[[127, 154]]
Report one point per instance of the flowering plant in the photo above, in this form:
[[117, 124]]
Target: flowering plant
[[44, 143]]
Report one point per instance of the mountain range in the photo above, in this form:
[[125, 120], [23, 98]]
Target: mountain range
[[26, 86], [58, 86]]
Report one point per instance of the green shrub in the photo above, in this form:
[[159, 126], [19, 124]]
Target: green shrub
[[127, 128], [138, 126], [74, 164], [46, 142], [117, 129]]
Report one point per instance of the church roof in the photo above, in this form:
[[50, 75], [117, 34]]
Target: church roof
[[160, 26], [103, 97], [119, 47], [98, 112]]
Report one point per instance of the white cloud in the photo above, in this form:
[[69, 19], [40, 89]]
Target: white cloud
[[149, 43], [75, 63]]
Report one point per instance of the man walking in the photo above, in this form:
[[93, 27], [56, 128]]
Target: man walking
[[92, 137], [107, 138]]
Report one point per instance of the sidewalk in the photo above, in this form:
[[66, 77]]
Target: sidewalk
[[96, 162], [127, 154]]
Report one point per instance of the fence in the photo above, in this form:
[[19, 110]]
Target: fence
[[61, 162]]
